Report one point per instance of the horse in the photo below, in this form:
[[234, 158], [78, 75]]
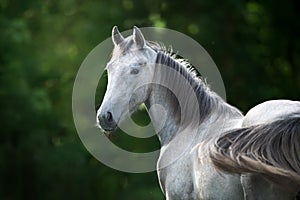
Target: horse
[[209, 149]]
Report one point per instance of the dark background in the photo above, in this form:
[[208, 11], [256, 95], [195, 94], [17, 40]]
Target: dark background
[[255, 44]]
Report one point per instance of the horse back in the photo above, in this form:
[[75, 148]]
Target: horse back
[[269, 111]]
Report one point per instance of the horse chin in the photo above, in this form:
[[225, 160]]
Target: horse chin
[[108, 131]]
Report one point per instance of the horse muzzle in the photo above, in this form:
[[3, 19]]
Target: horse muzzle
[[106, 121]]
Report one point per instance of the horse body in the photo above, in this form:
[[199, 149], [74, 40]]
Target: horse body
[[194, 133], [254, 184], [262, 177]]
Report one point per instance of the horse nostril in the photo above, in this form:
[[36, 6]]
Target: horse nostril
[[109, 117], [105, 117], [100, 117], [106, 121]]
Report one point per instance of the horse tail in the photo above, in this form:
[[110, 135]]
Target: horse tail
[[270, 149]]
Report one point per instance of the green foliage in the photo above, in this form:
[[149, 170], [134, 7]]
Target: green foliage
[[255, 44]]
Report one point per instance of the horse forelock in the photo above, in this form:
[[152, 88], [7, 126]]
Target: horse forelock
[[125, 46]]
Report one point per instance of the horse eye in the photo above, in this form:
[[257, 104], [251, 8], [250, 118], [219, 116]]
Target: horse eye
[[134, 71]]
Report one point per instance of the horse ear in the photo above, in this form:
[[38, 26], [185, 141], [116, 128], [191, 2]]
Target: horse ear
[[117, 38], [138, 37]]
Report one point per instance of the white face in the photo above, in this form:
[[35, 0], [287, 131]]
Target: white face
[[128, 75]]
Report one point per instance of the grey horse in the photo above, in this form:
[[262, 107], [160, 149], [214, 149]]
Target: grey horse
[[209, 150]]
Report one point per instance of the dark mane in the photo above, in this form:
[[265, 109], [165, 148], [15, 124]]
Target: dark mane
[[207, 99]]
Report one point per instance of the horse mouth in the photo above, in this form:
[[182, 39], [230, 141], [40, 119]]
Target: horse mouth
[[107, 128]]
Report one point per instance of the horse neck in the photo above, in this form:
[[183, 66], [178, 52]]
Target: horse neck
[[186, 101], [163, 108]]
